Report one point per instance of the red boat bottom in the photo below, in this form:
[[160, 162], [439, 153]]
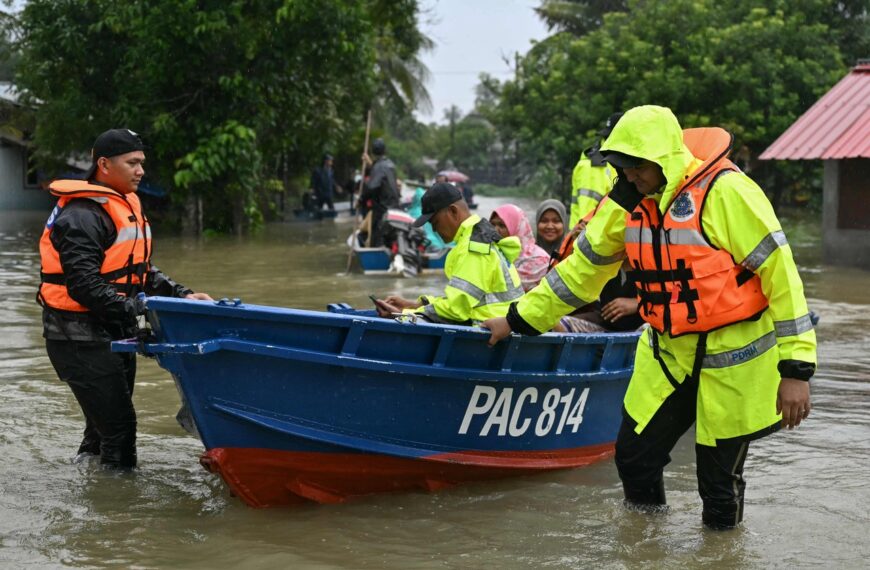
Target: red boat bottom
[[270, 478]]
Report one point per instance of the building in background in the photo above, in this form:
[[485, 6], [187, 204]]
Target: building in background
[[836, 130], [20, 187]]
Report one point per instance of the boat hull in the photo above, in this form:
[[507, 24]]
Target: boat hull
[[269, 478], [295, 406], [377, 260]]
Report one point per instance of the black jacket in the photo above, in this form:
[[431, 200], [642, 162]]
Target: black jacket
[[81, 234], [381, 187]]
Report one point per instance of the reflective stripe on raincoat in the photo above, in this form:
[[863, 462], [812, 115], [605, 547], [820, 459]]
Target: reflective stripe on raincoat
[[738, 376], [481, 279]]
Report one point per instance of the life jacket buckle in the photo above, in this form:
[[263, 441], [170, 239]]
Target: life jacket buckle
[[675, 293]]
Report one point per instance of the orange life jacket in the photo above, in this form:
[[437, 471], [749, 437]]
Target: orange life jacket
[[567, 246], [126, 262], [685, 284]]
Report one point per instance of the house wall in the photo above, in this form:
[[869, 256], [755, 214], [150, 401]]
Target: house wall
[[845, 215], [14, 195]]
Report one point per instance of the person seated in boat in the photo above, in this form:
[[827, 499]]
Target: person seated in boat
[[510, 220], [416, 210], [616, 309], [551, 223], [482, 281]]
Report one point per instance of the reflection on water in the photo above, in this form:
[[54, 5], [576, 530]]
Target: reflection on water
[[806, 496]]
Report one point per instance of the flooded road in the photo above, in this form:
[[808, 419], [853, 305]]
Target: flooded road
[[807, 496]]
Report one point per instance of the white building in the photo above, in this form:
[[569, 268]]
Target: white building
[[19, 186]]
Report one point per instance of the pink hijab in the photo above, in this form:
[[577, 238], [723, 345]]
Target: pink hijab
[[533, 260]]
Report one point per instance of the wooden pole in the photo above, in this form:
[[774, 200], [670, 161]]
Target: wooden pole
[[362, 171], [362, 181]]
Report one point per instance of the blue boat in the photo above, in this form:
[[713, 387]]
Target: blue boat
[[379, 260], [298, 406]]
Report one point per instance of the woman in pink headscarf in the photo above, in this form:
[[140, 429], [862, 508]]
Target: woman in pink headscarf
[[532, 263]]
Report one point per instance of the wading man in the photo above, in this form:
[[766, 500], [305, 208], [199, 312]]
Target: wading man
[[96, 258], [730, 346]]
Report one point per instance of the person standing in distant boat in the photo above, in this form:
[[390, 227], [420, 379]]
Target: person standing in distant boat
[[380, 190]]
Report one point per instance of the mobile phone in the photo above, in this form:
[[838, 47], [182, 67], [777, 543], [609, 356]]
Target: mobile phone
[[377, 302]]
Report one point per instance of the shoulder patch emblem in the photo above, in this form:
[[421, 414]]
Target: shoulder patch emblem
[[683, 207], [51, 218]]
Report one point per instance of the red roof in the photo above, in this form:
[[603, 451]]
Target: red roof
[[836, 127]]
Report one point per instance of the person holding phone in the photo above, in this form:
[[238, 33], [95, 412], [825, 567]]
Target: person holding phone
[[481, 279]]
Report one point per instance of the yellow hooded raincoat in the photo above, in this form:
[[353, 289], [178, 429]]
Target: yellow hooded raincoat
[[739, 376], [590, 183], [482, 281]]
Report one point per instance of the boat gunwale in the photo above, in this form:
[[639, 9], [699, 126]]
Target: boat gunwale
[[422, 327]]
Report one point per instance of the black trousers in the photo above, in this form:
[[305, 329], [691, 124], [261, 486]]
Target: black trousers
[[321, 200], [641, 458], [102, 382]]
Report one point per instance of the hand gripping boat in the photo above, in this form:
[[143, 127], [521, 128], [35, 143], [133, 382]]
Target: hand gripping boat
[[296, 406]]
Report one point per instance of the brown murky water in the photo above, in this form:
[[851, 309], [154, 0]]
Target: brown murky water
[[807, 497]]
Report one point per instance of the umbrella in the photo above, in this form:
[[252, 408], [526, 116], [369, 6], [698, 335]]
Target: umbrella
[[453, 176]]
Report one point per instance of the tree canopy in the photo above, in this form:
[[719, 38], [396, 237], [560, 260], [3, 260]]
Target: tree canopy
[[751, 66], [227, 94]]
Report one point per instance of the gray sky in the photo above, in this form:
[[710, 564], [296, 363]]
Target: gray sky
[[473, 36]]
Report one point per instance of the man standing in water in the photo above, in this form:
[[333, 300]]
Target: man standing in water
[[730, 347], [96, 258], [323, 183]]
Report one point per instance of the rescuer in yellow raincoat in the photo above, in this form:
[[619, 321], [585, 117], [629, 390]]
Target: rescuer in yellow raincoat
[[730, 345], [592, 177], [481, 278]]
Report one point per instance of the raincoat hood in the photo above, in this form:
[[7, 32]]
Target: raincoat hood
[[510, 247], [653, 133]]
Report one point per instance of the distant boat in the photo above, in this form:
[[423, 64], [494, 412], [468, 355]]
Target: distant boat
[[407, 259], [379, 260], [298, 406], [303, 214]]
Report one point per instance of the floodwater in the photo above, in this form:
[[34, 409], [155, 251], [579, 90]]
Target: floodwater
[[806, 501]]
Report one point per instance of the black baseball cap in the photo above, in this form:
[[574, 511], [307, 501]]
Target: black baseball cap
[[436, 198], [621, 160], [111, 143], [609, 124]]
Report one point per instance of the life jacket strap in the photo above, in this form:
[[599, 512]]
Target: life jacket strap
[[744, 276], [646, 276], [136, 269]]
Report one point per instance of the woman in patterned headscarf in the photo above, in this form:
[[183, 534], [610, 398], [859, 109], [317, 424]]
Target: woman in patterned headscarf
[[532, 263]]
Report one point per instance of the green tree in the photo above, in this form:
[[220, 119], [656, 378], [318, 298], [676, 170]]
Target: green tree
[[578, 17], [228, 94], [750, 66]]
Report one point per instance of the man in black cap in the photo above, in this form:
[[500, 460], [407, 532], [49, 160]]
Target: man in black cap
[[481, 278], [323, 183], [380, 190], [96, 253]]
